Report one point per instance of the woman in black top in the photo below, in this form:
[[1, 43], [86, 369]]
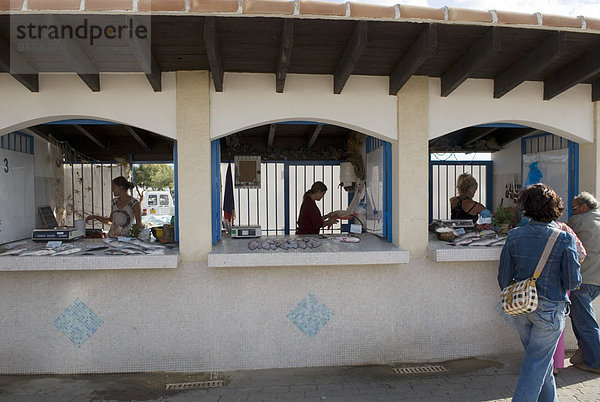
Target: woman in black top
[[463, 206]]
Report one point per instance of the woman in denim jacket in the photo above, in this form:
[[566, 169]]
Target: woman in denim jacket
[[539, 330]]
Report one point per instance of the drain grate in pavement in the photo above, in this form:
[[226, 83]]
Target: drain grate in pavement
[[419, 370], [198, 384]]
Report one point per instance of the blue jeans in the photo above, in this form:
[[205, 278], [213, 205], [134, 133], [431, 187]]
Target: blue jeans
[[539, 332], [584, 323]]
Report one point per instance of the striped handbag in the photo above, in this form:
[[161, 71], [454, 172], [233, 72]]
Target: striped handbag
[[521, 297]]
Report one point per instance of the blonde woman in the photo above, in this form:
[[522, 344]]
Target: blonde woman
[[463, 206]]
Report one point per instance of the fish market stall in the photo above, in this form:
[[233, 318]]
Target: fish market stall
[[471, 246], [87, 254], [306, 250]]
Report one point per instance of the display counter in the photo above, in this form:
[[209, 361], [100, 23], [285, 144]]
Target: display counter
[[271, 251], [87, 254], [442, 251]]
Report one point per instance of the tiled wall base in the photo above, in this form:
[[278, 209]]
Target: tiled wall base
[[196, 318]]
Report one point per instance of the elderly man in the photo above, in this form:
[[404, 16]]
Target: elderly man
[[585, 222]]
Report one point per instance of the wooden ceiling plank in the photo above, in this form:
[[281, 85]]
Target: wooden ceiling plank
[[12, 62], [213, 52], [77, 59], [485, 48], [420, 51], [574, 73], [137, 137], [91, 136], [471, 137], [542, 56], [511, 135], [285, 54], [354, 49], [271, 135], [314, 135]]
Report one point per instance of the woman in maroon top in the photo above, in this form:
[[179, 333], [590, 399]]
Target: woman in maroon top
[[310, 220]]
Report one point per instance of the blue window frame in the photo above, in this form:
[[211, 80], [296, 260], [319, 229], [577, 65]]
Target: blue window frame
[[17, 142], [292, 179]]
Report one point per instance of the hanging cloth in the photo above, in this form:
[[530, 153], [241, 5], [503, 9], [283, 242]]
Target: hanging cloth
[[534, 176]]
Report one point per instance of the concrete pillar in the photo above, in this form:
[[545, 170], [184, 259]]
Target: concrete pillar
[[589, 154], [411, 168], [193, 171]]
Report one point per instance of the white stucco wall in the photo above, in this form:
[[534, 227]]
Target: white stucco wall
[[569, 114], [250, 100], [123, 98], [196, 318]]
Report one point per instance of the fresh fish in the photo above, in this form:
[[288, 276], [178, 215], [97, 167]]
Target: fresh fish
[[15, 251], [483, 242], [466, 236], [68, 251], [115, 251], [132, 250], [253, 245], [39, 252], [144, 244], [498, 242], [463, 242]]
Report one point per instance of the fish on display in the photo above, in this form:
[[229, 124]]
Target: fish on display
[[68, 251], [15, 251]]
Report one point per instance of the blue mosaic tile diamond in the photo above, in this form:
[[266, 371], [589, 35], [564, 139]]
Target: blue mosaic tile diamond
[[78, 322], [310, 315]]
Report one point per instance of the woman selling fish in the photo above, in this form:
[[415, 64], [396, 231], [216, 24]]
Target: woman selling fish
[[463, 206], [124, 209]]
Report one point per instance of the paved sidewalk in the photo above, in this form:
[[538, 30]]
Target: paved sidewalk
[[483, 379]]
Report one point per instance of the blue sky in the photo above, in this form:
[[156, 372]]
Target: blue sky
[[589, 8]]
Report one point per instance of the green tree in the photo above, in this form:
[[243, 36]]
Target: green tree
[[153, 177]]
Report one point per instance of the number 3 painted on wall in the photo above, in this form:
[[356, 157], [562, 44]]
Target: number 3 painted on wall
[[6, 165]]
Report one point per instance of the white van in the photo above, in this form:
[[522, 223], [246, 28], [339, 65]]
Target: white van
[[158, 203]]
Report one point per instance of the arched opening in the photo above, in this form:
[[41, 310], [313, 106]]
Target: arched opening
[[73, 163], [293, 155], [511, 151]]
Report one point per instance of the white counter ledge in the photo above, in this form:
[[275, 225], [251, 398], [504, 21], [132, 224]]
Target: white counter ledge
[[371, 250], [441, 251], [93, 260]]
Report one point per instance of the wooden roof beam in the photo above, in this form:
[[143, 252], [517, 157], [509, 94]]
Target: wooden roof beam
[[91, 136], [485, 48], [420, 51], [578, 71], [271, 135], [314, 135], [137, 137], [596, 90], [142, 51], [213, 52], [12, 62], [542, 56], [355, 47], [285, 54]]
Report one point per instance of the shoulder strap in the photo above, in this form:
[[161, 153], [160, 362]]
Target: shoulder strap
[[546, 253]]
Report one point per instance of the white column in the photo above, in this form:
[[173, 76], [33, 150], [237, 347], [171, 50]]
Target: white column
[[194, 170], [411, 168]]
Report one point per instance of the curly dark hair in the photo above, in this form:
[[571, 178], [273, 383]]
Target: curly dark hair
[[540, 202]]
